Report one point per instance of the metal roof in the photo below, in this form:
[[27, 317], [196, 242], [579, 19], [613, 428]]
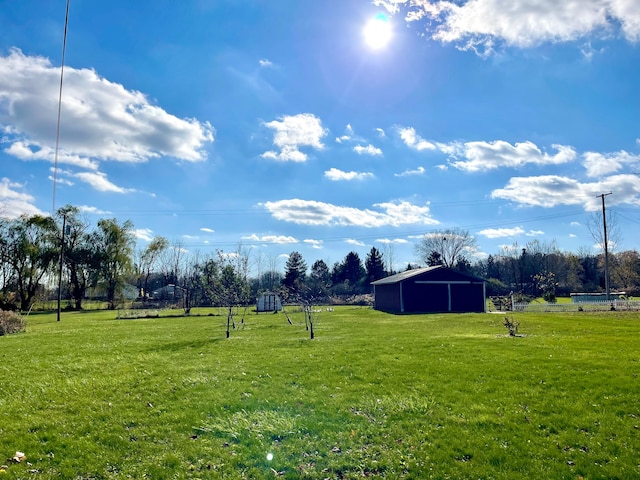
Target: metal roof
[[402, 276], [399, 277]]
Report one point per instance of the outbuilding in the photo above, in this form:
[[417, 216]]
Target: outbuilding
[[430, 290], [268, 302]]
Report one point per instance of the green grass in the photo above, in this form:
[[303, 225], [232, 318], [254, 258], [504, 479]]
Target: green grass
[[374, 395]]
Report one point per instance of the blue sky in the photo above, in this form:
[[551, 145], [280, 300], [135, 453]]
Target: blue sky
[[281, 126]]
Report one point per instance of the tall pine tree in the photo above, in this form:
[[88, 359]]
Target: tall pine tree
[[374, 265]]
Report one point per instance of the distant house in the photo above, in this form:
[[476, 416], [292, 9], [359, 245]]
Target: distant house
[[268, 302], [430, 290], [168, 292]]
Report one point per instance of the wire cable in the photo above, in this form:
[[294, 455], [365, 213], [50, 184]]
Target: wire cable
[[55, 159]]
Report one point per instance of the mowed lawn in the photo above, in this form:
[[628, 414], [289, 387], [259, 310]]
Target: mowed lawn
[[373, 395]]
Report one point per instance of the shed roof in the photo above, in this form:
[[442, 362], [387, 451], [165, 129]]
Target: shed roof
[[402, 276], [399, 277]]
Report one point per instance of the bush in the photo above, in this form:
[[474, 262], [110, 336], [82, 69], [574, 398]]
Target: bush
[[11, 322], [512, 326]]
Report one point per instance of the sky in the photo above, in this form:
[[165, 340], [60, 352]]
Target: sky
[[329, 126]]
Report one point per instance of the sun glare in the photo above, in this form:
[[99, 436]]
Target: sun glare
[[377, 32]]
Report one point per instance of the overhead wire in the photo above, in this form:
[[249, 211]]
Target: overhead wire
[[55, 159], [399, 234]]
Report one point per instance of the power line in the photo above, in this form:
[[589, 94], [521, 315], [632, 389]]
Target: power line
[[55, 160]]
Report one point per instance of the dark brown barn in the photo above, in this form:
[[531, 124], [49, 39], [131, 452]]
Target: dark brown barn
[[430, 290]]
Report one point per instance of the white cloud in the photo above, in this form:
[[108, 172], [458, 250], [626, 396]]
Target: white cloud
[[100, 182], [14, 201], [413, 140], [453, 149], [310, 212], [368, 150], [409, 173], [391, 241], [491, 155], [501, 232], [93, 210], [145, 234], [207, 230], [348, 135], [278, 239], [101, 120], [317, 244], [59, 180], [353, 241], [292, 133], [553, 190], [336, 175], [392, 6], [381, 132], [481, 25], [589, 52], [599, 164], [26, 151], [265, 62]]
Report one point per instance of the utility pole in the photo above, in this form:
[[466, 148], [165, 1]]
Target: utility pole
[[64, 226], [606, 247]]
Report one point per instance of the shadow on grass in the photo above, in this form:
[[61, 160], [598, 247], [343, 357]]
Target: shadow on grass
[[181, 345]]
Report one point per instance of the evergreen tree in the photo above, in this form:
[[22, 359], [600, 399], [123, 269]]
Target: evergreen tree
[[295, 272], [374, 265], [352, 273], [319, 278], [434, 259]]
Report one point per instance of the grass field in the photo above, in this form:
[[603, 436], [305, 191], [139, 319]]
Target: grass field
[[374, 395]]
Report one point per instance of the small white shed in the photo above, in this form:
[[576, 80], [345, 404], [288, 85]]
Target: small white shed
[[268, 302]]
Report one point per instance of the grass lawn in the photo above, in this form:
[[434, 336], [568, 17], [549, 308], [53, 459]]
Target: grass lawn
[[374, 395]]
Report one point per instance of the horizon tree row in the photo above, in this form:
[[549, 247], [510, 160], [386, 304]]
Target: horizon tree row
[[103, 261]]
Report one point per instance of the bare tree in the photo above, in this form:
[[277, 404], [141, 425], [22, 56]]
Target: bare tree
[[272, 274], [232, 288], [451, 244], [259, 261], [388, 252], [171, 261], [595, 225]]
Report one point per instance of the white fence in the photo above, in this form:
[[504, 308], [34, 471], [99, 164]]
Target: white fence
[[619, 305]]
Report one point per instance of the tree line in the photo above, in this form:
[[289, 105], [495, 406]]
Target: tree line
[[103, 260]]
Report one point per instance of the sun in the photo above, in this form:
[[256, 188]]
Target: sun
[[377, 32]]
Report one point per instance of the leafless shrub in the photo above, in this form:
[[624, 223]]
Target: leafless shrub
[[11, 322], [511, 325]]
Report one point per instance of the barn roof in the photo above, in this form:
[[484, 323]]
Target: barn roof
[[402, 276]]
